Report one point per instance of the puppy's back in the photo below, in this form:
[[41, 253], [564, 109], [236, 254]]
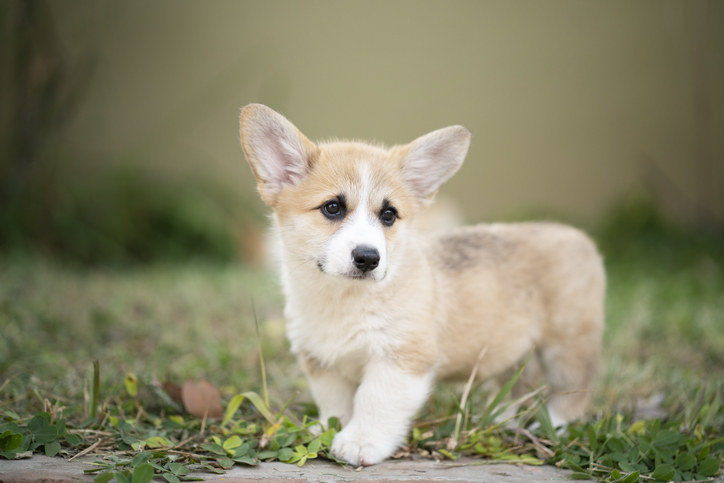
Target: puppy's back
[[514, 287]]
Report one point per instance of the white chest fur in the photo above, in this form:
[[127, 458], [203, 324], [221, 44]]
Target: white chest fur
[[340, 323]]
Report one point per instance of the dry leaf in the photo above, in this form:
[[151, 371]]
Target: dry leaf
[[202, 399], [174, 391]]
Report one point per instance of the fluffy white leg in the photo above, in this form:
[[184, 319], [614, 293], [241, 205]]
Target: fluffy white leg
[[333, 394], [385, 403]]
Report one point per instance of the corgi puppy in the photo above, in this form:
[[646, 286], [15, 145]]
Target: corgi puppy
[[377, 311]]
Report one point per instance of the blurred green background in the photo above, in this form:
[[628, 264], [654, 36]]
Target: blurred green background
[[119, 119]]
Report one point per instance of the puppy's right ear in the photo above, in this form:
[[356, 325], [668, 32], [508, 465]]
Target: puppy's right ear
[[277, 152]]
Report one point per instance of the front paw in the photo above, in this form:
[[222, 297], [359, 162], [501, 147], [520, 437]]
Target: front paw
[[359, 449]]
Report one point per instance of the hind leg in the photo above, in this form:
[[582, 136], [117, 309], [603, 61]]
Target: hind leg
[[570, 365], [570, 346]]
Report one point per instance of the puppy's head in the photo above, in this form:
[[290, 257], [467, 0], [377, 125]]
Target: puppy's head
[[341, 207]]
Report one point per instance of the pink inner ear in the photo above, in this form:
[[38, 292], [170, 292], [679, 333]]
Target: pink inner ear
[[289, 165], [428, 170], [434, 158], [282, 158]]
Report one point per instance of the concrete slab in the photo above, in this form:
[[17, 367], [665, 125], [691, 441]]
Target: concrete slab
[[42, 468], [398, 471], [57, 470]]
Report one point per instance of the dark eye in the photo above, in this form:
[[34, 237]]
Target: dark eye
[[388, 216], [333, 209]]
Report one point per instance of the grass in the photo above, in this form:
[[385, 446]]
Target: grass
[[658, 407]]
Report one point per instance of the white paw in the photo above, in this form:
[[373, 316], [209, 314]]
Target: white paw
[[358, 450]]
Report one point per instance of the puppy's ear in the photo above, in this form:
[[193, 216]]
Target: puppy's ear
[[277, 152], [432, 159]]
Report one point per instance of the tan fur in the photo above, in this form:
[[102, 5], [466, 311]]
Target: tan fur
[[522, 287], [507, 288]]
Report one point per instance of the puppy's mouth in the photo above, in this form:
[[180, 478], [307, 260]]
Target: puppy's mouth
[[352, 273]]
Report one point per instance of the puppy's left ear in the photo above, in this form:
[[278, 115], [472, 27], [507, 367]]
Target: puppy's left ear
[[432, 159]]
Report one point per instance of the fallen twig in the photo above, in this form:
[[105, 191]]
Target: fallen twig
[[86, 451]]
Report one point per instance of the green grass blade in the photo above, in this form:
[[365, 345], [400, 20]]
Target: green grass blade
[[96, 388], [259, 404], [494, 410], [231, 408], [265, 390]]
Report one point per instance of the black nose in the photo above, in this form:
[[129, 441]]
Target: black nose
[[366, 258]]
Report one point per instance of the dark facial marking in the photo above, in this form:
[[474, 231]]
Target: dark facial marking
[[388, 213]]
